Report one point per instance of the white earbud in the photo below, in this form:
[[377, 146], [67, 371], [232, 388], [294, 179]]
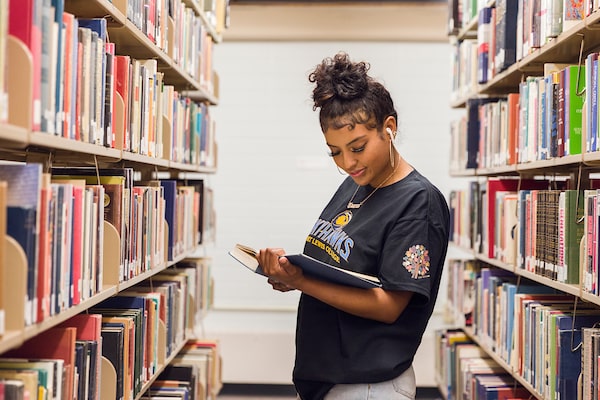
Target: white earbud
[[389, 131]]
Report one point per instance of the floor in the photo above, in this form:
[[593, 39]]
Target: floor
[[284, 392]]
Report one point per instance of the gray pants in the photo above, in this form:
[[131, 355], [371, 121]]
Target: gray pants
[[402, 387]]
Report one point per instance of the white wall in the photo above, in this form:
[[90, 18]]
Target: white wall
[[274, 176]]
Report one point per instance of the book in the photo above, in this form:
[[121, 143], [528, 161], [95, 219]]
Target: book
[[3, 268], [506, 34], [25, 24], [23, 200], [122, 84], [310, 266]]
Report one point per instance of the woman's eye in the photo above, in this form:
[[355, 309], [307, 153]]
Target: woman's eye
[[358, 149], [333, 153]]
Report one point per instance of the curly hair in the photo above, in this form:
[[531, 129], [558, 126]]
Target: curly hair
[[347, 95]]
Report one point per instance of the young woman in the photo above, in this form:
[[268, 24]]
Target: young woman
[[385, 220]]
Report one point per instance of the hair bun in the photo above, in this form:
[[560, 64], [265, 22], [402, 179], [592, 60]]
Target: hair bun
[[339, 77]]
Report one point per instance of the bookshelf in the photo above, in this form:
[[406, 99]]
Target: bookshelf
[[494, 143], [172, 41]]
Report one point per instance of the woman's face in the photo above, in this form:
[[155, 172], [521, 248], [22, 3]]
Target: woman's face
[[361, 152]]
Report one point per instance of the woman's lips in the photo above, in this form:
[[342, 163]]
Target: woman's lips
[[356, 174]]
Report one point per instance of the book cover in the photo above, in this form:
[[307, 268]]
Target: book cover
[[23, 195], [122, 84], [21, 226], [574, 89], [506, 34], [484, 36], [513, 127], [170, 193], [573, 232], [109, 96], [113, 350], [25, 24], [48, 57], [310, 266], [46, 228], [3, 268], [70, 47]]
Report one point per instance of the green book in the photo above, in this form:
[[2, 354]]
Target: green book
[[574, 96], [572, 201]]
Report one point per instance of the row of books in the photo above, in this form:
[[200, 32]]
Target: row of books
[[58, 220], [544, 120], [535, 331], [195, 373], [466, 372], [524, 224], [128, 331], [86, 90], [507, 31], [176, 29]]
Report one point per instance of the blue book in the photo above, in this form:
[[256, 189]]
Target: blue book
[[21, 225], [506, 33], [170, 193], [569, 352]]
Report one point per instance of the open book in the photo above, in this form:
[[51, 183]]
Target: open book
[[310, 266]]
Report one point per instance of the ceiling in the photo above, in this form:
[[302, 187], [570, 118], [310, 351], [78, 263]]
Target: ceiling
[[291, 20]]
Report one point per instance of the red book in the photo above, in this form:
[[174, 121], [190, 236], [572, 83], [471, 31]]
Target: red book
[[25, 24], [122, 73], [44, 251], [77, 240], [68, 21]]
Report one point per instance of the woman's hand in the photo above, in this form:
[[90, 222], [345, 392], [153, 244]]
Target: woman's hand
[[283, 275]]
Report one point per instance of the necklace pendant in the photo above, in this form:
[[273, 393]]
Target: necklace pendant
[[352, 205]]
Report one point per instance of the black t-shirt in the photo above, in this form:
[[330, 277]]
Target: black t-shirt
[[400, 234]]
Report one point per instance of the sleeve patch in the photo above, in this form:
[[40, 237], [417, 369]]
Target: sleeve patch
[[416, 261]]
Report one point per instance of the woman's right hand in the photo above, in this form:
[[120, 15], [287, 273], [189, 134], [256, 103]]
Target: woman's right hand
[[282, 274]]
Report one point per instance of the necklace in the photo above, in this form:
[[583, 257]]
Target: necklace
[[352, 205]]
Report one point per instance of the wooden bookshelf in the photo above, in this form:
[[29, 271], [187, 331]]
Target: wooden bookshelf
[[19, 142], [572, 46]]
